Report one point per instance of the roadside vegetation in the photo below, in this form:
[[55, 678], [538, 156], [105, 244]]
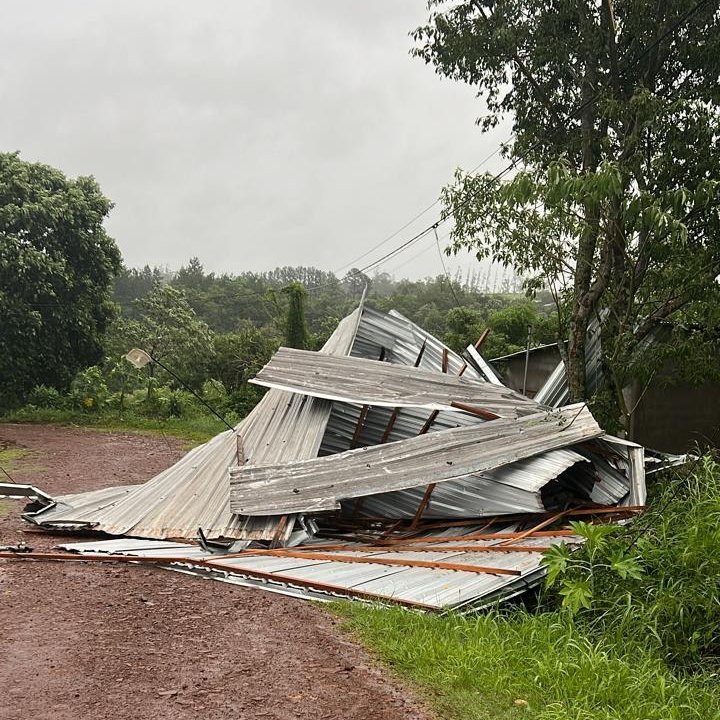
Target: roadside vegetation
[[645, 648]]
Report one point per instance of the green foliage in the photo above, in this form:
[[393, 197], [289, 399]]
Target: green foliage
[[56, 265], [614, 207], [479, 666], [631, 634], [214, 393], [296, 329], [655, 582], [88, 390], [239, 356], [576, 572], [195, 428], [168, 328], [134, 284], [464, 327], [43, 396]]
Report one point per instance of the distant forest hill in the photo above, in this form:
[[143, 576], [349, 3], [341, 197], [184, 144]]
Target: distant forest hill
[[457, 314]]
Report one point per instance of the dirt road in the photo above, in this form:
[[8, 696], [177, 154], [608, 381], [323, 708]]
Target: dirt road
[[114, 642]]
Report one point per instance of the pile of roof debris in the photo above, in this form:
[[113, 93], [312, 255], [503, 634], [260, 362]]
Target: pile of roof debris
[[384, 467]]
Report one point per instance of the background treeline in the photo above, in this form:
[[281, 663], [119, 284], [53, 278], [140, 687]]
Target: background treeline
[[217, 331]]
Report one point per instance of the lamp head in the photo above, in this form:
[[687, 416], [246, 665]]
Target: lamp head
[[139, 358]]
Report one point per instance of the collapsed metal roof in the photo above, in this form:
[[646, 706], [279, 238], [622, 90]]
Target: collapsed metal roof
[[194, 493], [384, 431]]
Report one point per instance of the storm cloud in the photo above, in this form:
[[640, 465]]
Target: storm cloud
[[250, 133]]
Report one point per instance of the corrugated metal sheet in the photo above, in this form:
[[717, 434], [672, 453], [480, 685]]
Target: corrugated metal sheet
[[371, 579], [80, 509], [514, 488], [399, 340], [18, 490], [555, 391], [483, 468], [320, 484], [381, 384], [193, 493], [484, 366]]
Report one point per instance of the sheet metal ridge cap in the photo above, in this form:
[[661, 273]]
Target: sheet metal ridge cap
[[20, 490]]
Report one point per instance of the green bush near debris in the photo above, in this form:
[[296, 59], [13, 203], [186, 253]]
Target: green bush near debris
[[478, 667], [647, 649]]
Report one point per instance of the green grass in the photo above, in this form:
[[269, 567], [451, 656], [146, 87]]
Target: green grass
[[8, 462], [647, 649], [195, 429], [10, 456], [479, 666]]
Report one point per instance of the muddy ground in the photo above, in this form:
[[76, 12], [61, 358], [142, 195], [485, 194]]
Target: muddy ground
[[113, 642]]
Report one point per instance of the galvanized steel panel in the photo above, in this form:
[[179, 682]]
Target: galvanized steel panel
[[371, 382], [320, 484]]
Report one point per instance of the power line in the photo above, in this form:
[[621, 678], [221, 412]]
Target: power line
[[447, 275], [424, 251], [484, 161], [570, 116]]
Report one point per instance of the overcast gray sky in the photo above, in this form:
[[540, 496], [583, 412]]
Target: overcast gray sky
[[251, 133]]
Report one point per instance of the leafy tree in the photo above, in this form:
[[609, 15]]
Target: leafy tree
[[509, 329], [239, 356], [168, 329], [464, 327], [296, 330], [192, 276], [616, 127], [56, 267], [134, 283]]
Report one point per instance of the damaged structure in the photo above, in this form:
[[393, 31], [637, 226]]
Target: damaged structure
[[384, 466]]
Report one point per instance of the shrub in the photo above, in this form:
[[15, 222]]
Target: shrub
[[88, 390], [46, 397], [656, 581], [215, 394]]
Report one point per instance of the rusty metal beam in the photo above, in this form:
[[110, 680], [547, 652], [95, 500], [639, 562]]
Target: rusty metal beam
[[396, 411], [423, 504], [332, 557], [474, 410], [219, 566], [359, 426], [538, 527], [390, 425]]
